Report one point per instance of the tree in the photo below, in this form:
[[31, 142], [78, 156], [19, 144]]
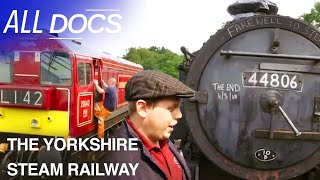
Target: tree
[[155, 58], [312, 18]]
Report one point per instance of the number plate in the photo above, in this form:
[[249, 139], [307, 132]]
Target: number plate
[[278, 80], [21, 97]]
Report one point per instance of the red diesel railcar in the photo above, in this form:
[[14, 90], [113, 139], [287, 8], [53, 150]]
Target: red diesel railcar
[[47, 90]]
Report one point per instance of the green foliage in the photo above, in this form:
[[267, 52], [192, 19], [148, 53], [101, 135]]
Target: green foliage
[[312, 18], [155, 58]]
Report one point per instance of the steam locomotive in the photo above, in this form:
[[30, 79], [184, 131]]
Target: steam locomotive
[[256, 113], [46, 90]]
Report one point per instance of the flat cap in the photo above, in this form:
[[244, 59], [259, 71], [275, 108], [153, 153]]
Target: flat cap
[[150, 84]]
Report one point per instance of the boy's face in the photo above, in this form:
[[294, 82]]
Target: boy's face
[[161, 117]]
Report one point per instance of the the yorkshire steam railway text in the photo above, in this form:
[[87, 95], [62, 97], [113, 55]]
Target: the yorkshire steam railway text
[[74, 169]]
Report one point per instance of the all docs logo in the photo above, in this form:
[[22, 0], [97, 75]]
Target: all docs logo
[[76, 24]]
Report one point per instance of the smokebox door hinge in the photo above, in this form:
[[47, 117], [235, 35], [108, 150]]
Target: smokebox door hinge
[[200, 97]]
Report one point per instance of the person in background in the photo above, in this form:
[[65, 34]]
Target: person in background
[[103, 109], [154, 109]]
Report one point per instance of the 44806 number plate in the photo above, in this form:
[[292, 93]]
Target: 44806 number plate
[[268, 79]]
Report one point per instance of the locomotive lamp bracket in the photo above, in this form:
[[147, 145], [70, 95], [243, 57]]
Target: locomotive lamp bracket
[[276, 42], [188, 57]]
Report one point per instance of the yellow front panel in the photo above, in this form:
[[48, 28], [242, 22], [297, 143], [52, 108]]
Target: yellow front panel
[[34, 121]]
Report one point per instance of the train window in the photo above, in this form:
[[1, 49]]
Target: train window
[[6, 66], [84, 73], [55, 68]]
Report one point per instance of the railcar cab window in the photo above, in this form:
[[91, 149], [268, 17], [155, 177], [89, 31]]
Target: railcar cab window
[[55, 68], [84, 73], [6, 66]]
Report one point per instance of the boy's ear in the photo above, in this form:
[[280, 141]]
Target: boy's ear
[[141, 108]]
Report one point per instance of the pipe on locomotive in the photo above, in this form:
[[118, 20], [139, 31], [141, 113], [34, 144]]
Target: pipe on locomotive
[[230, 53]]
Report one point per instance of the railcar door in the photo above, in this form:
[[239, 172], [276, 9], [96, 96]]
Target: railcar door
[[122, 81], [97, 75], [83, 122], [108, 71]]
